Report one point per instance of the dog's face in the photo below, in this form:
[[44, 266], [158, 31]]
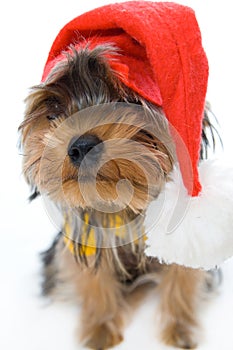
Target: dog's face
[[90, 142]]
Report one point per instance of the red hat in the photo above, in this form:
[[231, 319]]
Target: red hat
[[163, 60]]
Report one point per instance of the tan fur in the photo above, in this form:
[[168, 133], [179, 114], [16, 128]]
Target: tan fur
[[126, 157], [107, 304], [104, 306], [138, 148], [180, 291], [102, 293]]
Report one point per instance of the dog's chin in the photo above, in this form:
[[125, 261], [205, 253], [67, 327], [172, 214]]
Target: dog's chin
[[104, 195]]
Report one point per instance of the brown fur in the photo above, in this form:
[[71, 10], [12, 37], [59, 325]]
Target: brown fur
[[180, 291], [110, 282]]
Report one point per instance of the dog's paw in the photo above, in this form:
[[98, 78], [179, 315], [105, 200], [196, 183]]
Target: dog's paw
[[179, 336], [104, 336]]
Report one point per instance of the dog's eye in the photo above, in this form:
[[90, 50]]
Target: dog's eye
[[147, 134], [52, 117], [54, 108], [148, 138]]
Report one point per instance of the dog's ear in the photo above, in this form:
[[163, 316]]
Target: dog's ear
[[210, 134]]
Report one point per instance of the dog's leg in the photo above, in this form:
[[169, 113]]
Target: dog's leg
[[180, 291], [103, 307]]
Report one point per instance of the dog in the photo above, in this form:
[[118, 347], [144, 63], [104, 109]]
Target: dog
[[102, 152]]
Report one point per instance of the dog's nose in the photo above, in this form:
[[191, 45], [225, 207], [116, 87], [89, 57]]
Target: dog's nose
[[79, 147]]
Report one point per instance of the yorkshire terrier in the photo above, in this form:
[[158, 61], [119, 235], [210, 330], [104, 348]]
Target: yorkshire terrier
[[90, 144]]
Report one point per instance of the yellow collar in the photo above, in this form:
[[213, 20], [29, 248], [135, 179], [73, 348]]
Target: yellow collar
[[88, 236]]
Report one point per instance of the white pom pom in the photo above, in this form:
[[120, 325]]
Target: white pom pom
[[193, 231]]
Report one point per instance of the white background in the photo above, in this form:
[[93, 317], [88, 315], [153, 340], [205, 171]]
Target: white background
[[26, 321]]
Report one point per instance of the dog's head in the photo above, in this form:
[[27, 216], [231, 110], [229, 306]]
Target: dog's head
[[95, 135], [91, 142]]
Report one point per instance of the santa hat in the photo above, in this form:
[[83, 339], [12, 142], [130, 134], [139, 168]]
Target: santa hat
[[162, 59]]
